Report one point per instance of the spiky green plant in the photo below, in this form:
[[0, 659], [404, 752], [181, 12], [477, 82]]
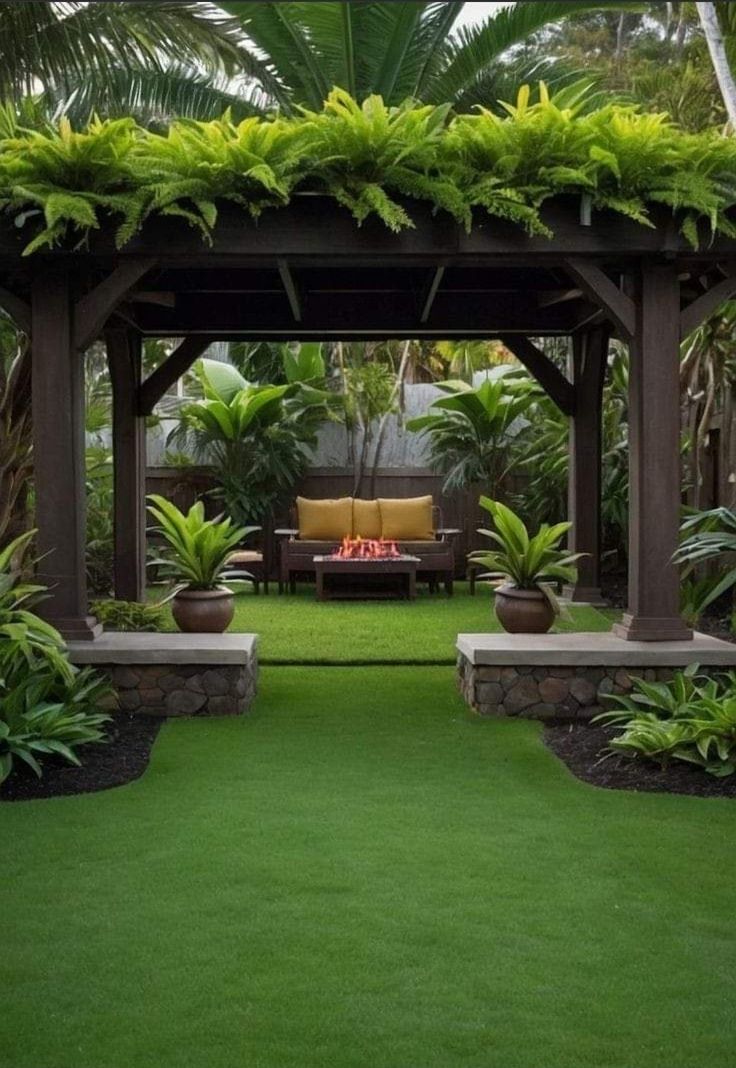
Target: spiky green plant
[[48, 706], [527, 562], [199, 548]]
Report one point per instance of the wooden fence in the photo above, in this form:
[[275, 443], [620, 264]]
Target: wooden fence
[[183, 486]]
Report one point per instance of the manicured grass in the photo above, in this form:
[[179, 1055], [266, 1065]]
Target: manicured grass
[[363, 875], [299, 629]]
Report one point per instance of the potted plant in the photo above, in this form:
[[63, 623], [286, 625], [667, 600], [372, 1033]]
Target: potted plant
[[525, 604], [199, 551]]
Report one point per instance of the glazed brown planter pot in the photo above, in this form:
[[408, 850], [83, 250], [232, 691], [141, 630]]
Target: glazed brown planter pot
[[203, 611], [523, 611]]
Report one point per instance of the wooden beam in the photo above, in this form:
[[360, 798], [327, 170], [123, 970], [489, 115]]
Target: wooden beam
[[337, 315], [129, 464], [698, 310], [552, 381], [17, 308], [163, 299], [292, 293], [431, 292], [654, 461], [58, 452], [589, 360], [558, 296], [596, 284], [152, 390], [94, 309]]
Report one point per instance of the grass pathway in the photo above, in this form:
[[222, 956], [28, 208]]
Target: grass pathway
[[363, 875], [299, 629]]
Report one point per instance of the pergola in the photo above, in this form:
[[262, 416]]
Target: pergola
[[307, 272]]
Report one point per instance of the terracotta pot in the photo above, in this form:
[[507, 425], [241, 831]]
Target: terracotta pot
[[203, 611], [523, 611]]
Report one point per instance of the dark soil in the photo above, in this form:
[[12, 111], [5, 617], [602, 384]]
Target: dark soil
[[580, 747], [123, 758], [614, 588]]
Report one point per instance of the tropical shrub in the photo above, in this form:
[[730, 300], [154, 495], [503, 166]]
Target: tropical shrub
[[689, 718], [706, 538], [199, 548], [257, 438], [59, 185], [129, 615], [470, 429], [45, 715], [528, 563], [48, 707]]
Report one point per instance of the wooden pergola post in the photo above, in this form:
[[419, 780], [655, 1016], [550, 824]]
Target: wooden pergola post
[[129, 463], [59, 456], [588, 365], [654, 459]]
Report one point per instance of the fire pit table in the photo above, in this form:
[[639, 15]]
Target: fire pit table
[[357, 578]]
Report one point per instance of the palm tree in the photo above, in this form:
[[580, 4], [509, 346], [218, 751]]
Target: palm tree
[[286, 54], [398, 50], [112, 57], [715, 33]]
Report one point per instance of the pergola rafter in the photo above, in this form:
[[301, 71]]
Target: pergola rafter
[[306, 271]]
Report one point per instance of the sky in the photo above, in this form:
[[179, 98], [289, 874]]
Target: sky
[[476, 11]]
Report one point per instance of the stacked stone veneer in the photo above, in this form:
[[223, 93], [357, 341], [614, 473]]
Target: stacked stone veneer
[[546, 692], [178, 690], [176, 674], [566, 676]]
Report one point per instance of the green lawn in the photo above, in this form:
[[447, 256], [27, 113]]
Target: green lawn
[[363, 875], [300, 630]]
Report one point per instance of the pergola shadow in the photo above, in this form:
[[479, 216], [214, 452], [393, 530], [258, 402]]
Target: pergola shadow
[[307, 272]]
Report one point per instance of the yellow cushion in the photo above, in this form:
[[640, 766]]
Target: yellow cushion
[[406, 518], [366, 519], [327, 520]]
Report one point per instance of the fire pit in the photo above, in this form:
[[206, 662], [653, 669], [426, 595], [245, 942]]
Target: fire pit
[[366, 568]]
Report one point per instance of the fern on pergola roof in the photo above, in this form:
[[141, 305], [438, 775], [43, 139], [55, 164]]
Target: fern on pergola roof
[[60, 184]]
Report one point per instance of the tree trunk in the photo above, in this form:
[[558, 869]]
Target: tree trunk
[[620, 38], [398, 386], [349, 437], [726, 83]]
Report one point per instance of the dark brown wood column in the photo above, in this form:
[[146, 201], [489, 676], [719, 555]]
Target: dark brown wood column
[[589, 358], [58, 450], [654, 460], [129, 463]]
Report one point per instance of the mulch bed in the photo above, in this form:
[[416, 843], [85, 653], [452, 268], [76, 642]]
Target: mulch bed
[[113, 763], [580, 747]]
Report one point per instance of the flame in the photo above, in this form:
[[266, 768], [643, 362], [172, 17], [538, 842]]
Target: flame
[[366, 549]]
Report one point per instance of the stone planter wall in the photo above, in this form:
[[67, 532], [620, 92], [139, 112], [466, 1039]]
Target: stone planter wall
[[176, 674], [565, 676], [547, 692], [178, 690]]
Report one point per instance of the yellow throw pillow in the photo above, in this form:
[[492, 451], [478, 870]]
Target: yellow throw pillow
[[366, 519], [327, 520], [406, 518]]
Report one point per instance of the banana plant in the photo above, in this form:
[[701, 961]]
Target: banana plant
[[469, 429], [256, 437]]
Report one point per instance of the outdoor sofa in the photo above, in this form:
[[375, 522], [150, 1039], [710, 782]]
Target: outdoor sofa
[[413, 523]]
